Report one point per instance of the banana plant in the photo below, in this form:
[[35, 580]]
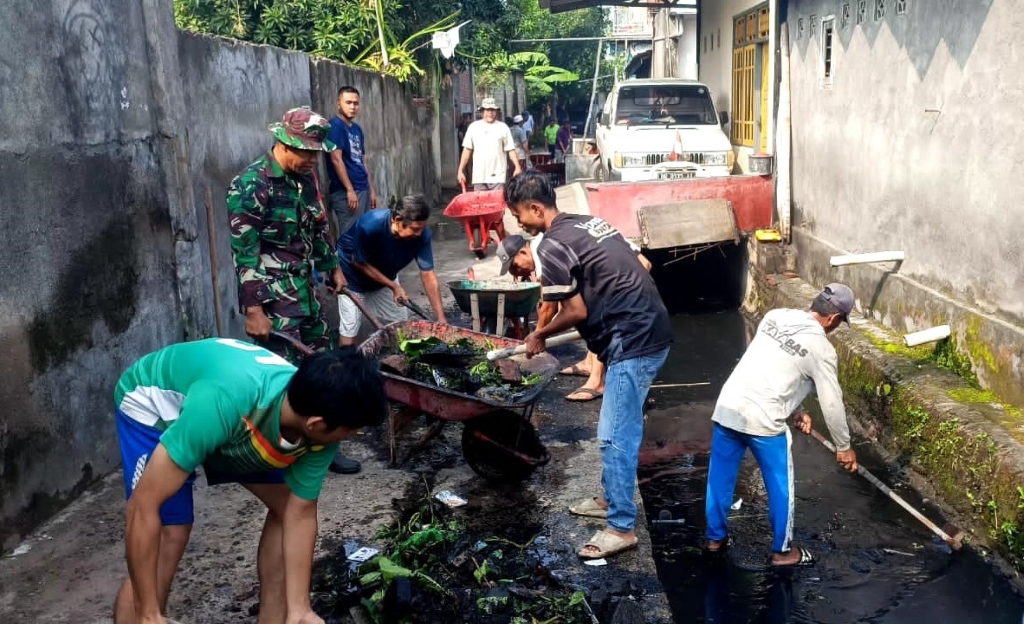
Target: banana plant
[[538, 72]]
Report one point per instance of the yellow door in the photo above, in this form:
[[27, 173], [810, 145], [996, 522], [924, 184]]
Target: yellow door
[[765, 59]]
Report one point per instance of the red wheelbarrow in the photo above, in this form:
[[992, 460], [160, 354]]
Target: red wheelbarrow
[[479, 212], [499, 442]]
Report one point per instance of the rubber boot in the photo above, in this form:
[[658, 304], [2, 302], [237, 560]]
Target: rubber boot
[[343, 465]]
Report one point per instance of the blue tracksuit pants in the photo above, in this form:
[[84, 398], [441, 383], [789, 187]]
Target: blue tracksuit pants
[[774, 456]]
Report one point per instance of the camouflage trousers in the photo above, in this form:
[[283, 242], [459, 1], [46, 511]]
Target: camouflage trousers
[[299, 314]]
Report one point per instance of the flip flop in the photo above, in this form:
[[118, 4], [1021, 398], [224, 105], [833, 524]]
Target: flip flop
[[588, 507], [605, 544], [723, 545], [590, 392], [806, 560], [574, 371]]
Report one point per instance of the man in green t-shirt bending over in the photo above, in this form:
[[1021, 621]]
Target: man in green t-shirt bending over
[[249, 417]]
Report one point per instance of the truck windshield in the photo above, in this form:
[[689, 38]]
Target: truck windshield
[[665, 104]]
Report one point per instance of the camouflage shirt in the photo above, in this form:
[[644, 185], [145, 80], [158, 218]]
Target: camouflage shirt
[[279, 230]]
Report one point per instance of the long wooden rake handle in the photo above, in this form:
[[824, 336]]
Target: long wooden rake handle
[[955, 541]]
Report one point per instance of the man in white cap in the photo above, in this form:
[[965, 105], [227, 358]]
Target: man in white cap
[[522, 141], [789, 355], [490, 144]]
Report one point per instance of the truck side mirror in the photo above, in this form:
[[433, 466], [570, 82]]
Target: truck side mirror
[[723, 117]]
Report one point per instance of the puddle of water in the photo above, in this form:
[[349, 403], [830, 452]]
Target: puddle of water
[[874, 562]]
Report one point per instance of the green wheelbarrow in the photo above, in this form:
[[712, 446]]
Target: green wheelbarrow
[[493, 301]]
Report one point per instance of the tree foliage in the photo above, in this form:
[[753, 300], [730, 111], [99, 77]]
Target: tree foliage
[[346, 31]]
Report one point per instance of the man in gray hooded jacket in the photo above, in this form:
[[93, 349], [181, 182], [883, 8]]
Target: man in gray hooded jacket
[[789, 356]]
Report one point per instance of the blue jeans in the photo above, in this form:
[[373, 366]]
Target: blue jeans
[[620, 431], [774, 456]]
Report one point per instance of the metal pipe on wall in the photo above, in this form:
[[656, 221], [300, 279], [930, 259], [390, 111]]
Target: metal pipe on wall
[[784, 142]]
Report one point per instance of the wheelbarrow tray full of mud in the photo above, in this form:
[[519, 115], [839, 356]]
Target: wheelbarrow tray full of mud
[[498, 440]]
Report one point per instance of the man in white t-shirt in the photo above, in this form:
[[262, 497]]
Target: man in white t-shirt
[[490, 144]]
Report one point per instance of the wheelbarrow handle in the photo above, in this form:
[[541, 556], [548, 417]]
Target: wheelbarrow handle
[[362, 308], [554, 341]]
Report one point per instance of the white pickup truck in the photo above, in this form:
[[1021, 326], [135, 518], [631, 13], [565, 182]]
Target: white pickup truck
[[661, 129]]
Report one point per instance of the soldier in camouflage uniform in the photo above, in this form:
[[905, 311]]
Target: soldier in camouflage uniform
[[279, 233]]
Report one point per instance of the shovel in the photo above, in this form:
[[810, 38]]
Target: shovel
[[415, 307], [948, 533]]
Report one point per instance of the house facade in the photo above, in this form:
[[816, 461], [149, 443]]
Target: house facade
[[736, 40]]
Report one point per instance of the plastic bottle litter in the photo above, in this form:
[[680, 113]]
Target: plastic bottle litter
[[736, 506]]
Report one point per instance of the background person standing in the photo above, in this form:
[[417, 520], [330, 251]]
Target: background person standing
[[490, 145], [551, 136], [522, 141], [352, 192]]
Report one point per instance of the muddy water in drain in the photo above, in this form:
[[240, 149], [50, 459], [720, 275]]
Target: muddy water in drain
[[874, 562]]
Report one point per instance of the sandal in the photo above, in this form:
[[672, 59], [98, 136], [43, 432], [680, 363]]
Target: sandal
[[588, 507], [723, 545], [605, 544], [574, 371], [806, 560], [590, 392]]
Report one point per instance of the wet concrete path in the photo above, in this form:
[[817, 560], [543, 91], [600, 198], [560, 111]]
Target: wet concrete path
[[874, 562]]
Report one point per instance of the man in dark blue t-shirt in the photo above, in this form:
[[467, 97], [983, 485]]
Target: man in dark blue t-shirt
[[351, 190], [604, 292], [372, 252]]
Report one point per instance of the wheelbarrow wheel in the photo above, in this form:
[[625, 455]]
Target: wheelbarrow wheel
[[503, 447]]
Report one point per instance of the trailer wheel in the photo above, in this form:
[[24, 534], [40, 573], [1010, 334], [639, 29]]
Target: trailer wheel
[[487, 441]]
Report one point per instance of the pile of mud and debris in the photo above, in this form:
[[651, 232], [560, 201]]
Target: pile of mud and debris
[[460, 366], [432, 566]]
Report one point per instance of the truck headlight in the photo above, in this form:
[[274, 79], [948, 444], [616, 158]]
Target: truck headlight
[[716, 159]]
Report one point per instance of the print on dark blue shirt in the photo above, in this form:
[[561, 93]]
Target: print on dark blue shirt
[[349, 140]]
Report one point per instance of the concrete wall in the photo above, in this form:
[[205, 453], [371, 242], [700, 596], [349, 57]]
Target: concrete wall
[[715, 47], [235, 90], [87, 242], [116, 131], [916, 146]]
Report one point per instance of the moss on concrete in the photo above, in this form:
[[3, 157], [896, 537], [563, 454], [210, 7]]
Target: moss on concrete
[[962, 462]]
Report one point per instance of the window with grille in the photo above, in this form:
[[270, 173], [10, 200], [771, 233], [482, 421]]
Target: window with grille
[[845, 16], [814, 24], [879, 10], [862, 11], [901, 7], [743, 66], [800, 28], [828, 26]]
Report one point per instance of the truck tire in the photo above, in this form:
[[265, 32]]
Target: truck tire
[[601, 173]]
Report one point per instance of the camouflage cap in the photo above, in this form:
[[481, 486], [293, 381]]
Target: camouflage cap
[[303, 129]]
